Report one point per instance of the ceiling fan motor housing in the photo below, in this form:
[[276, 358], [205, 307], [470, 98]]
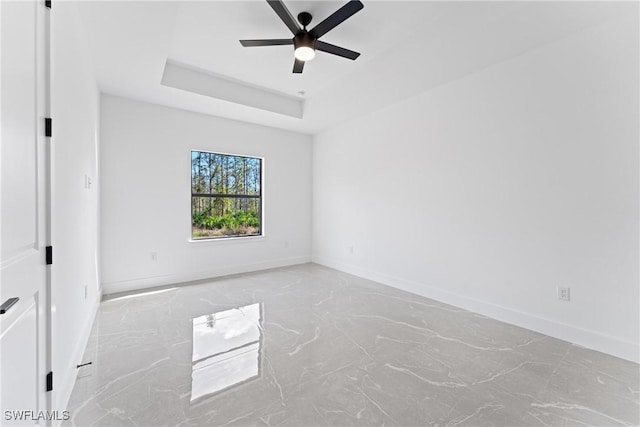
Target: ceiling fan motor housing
[[304, 39]]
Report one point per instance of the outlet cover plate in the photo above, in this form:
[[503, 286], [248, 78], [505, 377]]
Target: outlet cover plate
[[564, 294]]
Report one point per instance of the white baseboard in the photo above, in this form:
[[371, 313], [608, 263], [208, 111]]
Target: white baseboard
[[226, 270], [65, 384], [583, 337]]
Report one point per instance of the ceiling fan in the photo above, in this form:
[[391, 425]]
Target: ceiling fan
[[306, 42]]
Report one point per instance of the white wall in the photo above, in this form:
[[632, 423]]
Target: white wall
[[75, 113], [146, 196], [491, 191]]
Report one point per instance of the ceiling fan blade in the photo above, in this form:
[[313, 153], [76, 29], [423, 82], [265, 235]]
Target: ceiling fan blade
[[336, 50], [284, 14], [339, 16], [266, 42], [298, 66]]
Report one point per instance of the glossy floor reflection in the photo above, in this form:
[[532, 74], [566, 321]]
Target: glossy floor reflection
[[226, 349], [310, 346]]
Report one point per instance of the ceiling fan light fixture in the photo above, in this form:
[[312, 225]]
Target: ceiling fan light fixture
[[305, 46], [304, 53]]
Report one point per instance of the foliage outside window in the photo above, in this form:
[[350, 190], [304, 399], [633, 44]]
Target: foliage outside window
[[226, 196]]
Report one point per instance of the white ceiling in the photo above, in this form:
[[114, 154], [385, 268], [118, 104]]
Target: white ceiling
[[407, 48]]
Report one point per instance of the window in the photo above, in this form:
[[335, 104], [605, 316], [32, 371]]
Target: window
[[226, 196]]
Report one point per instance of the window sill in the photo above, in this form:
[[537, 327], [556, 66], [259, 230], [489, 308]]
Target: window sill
[[229, 240]]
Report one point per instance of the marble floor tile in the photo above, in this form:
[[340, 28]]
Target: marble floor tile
[[311, 346]]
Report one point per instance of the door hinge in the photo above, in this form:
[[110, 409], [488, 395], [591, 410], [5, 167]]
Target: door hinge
[[49, 255], [50, 381], [48, 126], [47, 3]]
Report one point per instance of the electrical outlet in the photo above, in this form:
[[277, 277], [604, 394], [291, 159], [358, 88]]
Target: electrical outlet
[[154, 256], [86, 292], [564, 294], [351, 250]]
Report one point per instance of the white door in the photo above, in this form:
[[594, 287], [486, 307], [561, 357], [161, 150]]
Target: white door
[[24, 226]]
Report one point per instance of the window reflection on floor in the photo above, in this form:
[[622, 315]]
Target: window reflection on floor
[[226, 349]]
